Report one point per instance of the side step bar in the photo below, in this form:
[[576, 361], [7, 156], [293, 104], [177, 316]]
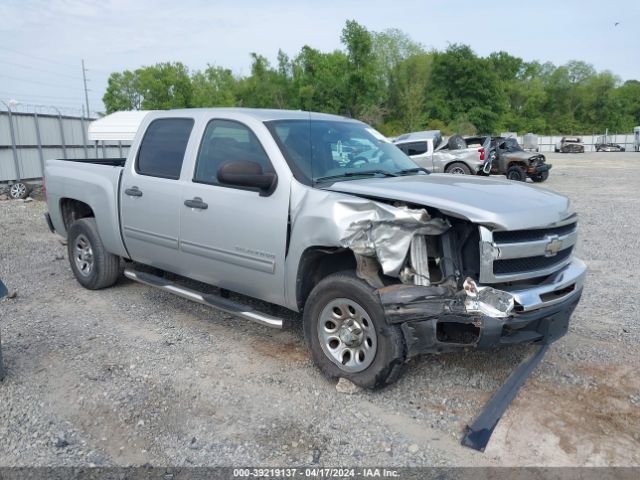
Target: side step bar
[[215, 301]]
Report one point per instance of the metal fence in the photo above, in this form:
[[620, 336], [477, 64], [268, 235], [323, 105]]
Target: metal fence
[[550, 143], [28, 138]]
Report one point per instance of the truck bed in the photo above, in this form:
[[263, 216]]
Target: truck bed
[[113, 162], [93, 181]]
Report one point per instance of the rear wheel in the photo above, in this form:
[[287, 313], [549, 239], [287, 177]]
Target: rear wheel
[[458, 168], [517, 173], [540, 177], [347, 333], [92, 265]]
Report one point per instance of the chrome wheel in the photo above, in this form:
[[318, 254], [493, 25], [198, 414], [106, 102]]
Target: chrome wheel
[[18, 190], [457, 171], [347, 335], [83, 255]]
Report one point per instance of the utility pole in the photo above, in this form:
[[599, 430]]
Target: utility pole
[[86, 92]]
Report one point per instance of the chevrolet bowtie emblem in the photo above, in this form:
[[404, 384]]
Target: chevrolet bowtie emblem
[[553, 247]]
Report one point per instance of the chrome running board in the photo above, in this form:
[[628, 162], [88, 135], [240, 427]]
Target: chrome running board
[[214, 301]]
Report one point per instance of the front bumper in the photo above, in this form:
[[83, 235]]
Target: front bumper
[[435, 319], [540, 168]]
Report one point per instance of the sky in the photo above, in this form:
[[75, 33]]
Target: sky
[[42, 42]]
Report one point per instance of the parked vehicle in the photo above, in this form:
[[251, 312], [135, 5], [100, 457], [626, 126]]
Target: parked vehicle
[[570, 145], [609, 147], [383, 260], [510, 159], [457, 155]]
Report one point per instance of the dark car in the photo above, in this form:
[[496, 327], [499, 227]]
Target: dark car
[[609, 147], [508, 158]]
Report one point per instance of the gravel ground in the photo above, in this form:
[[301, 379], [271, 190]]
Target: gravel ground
[[131, 375]]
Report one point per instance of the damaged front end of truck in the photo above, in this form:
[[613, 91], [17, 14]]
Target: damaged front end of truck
[[446, 281]]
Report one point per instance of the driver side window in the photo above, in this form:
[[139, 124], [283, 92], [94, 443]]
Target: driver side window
[[225, 141]]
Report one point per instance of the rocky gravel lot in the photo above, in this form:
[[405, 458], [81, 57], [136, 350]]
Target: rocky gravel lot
[[132, 376]]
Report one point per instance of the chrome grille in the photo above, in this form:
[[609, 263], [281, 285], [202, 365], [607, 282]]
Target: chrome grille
[[532, 235], [522, 254], [529, 264]]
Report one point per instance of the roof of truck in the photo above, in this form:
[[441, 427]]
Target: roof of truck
[[417, 136], [122, 126]]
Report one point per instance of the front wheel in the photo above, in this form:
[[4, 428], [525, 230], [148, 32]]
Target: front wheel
[[92, 265], [347, 333], [517, 173]]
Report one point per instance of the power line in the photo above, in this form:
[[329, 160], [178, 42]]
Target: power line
[[34, 95], [53, 62], [37, 69], [36, 58], [55, 85]]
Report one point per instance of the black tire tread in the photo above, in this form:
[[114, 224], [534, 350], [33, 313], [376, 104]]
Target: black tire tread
[[523, 172], [393, 367], [106, 267]]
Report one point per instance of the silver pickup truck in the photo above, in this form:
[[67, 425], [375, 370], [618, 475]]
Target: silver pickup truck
[[455, 155], [322, 215]]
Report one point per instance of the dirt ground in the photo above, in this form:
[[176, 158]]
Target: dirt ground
[[131, 375]]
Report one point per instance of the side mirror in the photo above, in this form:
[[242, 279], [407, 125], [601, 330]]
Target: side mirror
[[243, 173]]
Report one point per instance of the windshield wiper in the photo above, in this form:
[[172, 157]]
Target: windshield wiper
[[364, 173], [412, 170]]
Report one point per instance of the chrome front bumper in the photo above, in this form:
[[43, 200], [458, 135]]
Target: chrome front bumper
[[557, 288]]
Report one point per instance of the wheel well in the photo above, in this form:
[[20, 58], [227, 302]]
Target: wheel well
[[519, 164], [456, 161], [315, 264], [72, 210]]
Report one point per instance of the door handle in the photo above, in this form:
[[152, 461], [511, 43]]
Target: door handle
[[196, 203], [133, 192]]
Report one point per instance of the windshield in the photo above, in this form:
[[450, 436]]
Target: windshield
[[320, 150], [512, 145]]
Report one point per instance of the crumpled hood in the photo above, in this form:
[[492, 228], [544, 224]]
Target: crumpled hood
[[502, 204]]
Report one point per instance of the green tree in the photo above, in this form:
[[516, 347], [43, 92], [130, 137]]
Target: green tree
[[408, 91], [164, 86], [365, 87], [320, 81], [123, 92], [465, 84], [215, 87]]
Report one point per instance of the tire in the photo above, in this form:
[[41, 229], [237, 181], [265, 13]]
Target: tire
[[19, 190], [458, 168], [540, 177], [456, 142], [92, 265], [517, 173], [354, 300]]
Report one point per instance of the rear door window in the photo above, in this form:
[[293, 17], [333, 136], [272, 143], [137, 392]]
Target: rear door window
[[163, 147], [414, 148]]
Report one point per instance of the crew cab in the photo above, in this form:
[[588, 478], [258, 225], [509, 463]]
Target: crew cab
[[324, 216]]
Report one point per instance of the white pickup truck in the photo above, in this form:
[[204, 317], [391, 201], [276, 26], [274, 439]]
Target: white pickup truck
[[323, 215]]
